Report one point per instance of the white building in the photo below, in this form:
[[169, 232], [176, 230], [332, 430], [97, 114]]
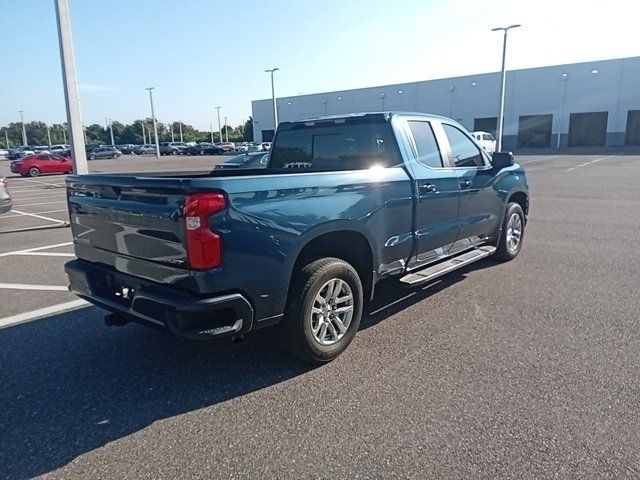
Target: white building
[[591, 104]]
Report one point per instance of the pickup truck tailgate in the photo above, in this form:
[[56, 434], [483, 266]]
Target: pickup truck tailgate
[[116, 220]]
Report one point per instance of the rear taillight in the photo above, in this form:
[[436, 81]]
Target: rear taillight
[[204, 247]]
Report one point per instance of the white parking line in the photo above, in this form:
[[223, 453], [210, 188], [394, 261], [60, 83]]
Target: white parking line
[[42, 312], [28, 286], [46, 254], [44, 203], [38, 197], [38, 213], [538, 160], [587, 163], [36, 249], [59, 185], [40, 216]]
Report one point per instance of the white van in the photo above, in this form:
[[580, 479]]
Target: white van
[[485, 140]]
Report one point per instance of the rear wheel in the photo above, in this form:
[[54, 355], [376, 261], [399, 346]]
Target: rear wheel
[[114, 156], [34, 172], [512, 235], [324, 310]]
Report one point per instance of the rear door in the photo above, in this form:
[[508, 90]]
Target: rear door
[[436, 185], [480, 203]]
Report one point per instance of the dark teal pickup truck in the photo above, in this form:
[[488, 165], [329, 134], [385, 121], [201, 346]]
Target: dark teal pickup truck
[[343, 203]]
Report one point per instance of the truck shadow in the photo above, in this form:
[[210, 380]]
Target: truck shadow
[[71, 385]]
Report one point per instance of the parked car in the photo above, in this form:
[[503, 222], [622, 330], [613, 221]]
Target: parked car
[[4, 152], [58, 149], [205, 148], [5, 197], [173, 148], [41, 163], [90, 147], [259, 146], [220, 255], [227, 147], [127, 148], [485, 140], [15, 153], [145, 149], [246, 160], [242, 147], [104, 152]]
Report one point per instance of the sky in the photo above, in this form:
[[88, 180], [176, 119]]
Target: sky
[[199, 54]]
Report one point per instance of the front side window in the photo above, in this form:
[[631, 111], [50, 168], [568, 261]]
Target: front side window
[[464, 152], [488, 136], [428, 152], [351, 144]]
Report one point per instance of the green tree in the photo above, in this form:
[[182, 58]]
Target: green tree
[[247, 132]]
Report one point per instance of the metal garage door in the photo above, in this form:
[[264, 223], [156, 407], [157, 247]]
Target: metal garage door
[[588, 129], [534, 130], [488, 124], [633, 128]]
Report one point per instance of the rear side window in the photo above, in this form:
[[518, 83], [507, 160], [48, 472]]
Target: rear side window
[[336, 145], [465, 153], [487, 136], [426, 145]]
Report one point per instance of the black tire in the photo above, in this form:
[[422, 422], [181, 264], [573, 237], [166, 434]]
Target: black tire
[[92, 157], [298, 335], [114, 156], [505, 251], [174, 152], [34, 172], [201, 152]]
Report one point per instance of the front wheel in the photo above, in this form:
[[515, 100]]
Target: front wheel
[[92, 157], [512, 235], [34, 172], [324, 310], [114, 156]]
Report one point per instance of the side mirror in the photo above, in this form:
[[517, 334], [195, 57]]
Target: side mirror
[[502, 159]]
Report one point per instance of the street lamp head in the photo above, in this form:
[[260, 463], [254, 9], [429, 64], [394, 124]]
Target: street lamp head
[[271, 70], [150, 88], [504, 29]]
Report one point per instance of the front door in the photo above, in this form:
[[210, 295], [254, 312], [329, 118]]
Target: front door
[[436, 186], [480, 203]]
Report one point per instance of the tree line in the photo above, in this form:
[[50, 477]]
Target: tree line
[[122, 133]]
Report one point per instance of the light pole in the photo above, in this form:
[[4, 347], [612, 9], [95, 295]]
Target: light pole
[[70, 83], [155, 125], [111, 131], [64, 134], [273, 98], [382, 95], [563, 78], [219, 129], [49, 135], [144, 138], [226, 130], [451, 89], [24, 131], [502, 83], [171, 130], [211, 130], [181, 132], [6, 138]]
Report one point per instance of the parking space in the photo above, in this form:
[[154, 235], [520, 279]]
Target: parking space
[[523, 370]]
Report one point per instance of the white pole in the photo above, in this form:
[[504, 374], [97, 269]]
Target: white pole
[[502, 86], [219, 128], [226, 130], [211, 128], [49, 135], [24, 131], [64, 134], [171, 128], [6, 138], [111, 129], [181, 132], [144, 138], [273, 98], [70, 83], [563, 79], [155, 125]]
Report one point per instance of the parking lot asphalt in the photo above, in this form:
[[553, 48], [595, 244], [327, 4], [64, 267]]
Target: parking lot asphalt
[[528, 369]]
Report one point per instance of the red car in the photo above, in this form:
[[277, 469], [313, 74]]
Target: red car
[[34, 165]]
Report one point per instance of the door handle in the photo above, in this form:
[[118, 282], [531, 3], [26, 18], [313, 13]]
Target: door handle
[[429, 188], [465, 183]]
